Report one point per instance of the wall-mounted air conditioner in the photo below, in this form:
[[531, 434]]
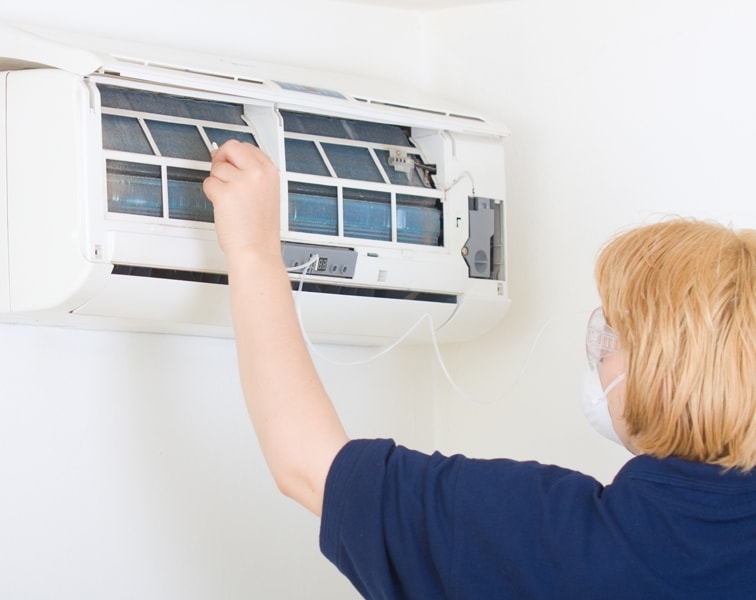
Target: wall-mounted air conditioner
[[103, 222]]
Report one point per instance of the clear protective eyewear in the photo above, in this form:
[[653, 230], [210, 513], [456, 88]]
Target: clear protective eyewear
[[600, 339]]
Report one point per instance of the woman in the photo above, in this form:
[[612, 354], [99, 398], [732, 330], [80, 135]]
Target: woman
[[672, 375]]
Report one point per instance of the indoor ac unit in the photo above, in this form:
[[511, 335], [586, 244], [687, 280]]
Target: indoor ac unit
[[103, 222]]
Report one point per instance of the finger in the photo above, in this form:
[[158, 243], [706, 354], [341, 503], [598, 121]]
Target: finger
[[241, 155], [224, 171], [212, 187]]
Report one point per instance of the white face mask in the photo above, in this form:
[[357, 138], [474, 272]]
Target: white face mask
[[595, 404]]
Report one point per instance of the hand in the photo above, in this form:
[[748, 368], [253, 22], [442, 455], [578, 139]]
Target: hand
[[244, 187]]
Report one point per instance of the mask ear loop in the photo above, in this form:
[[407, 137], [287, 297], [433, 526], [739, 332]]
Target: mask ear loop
[[615, 382]]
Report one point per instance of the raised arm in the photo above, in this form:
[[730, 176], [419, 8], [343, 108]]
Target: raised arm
[[296, 424]]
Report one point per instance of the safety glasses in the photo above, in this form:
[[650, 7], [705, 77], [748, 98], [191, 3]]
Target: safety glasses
[[600, 339]]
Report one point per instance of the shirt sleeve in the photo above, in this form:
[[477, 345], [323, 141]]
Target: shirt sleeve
[[387, 519]]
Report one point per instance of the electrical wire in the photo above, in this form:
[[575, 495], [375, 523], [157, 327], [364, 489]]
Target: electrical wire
[[459, 178], [305, 267]]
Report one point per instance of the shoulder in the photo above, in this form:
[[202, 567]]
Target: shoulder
[[358, 458], [468, 488]]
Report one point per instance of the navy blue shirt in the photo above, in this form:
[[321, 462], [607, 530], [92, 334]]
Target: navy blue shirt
[[402, 524]]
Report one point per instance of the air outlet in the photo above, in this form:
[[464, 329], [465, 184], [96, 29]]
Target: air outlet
[[339, 290]]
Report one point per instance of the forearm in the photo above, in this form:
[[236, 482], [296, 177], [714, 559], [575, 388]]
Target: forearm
[[296, 424]]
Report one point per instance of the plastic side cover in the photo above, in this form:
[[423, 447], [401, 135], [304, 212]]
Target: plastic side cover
[[46, 265]]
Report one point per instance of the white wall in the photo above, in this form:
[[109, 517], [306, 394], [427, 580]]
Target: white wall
[[127, 463], [621, 112], [128, 467]]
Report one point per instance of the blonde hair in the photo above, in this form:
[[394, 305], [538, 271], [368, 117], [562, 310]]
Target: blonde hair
[[681, 294]]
